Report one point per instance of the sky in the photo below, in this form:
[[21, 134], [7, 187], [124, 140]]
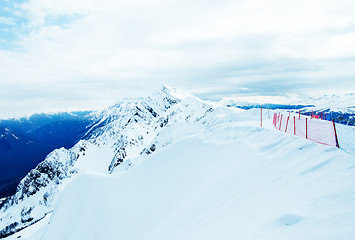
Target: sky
[[85, 54]]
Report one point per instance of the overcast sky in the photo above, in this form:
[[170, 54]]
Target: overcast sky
[[82, 54]]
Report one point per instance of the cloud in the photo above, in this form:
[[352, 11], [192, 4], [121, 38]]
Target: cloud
[[7, 21], [69, 52]]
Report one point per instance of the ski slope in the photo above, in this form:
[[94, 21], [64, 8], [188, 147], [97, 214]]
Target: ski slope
[[226, 180]]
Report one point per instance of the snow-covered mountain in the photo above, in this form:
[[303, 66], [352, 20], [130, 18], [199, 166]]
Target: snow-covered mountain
[[171, 166], [335, 103], [125, 130]]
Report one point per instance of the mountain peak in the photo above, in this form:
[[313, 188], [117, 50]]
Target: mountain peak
[[166, 90]]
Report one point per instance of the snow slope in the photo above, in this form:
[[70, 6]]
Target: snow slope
[[226, 182], [212, 174]]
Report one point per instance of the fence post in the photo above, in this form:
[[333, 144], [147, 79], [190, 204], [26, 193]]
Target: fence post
[[261, 116], [280, 123], [294, 125], [287, 123], [336, 136], [306, 130]]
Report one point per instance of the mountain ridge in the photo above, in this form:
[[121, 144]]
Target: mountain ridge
[[124, 129]]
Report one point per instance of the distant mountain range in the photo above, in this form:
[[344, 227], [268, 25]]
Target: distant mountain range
[[25, 142], [341, 108]]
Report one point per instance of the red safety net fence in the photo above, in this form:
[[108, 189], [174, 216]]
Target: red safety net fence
[[320, 131]]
